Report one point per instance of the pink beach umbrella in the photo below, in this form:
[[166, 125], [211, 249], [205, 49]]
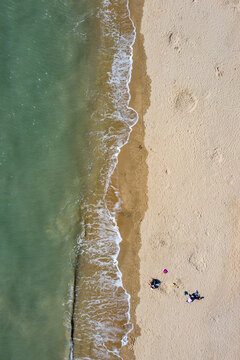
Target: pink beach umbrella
[[165, 271]]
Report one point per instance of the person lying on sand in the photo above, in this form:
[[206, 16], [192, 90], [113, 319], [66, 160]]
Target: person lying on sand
[[189, 299], [197, 296], [154, 283], [193, 296]]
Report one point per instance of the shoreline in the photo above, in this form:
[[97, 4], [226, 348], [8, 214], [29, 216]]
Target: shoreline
[[132, 169], [178, 178], [100, 238]]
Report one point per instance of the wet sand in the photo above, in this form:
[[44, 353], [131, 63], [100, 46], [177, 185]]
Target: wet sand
[[179, 181], [131, 175]]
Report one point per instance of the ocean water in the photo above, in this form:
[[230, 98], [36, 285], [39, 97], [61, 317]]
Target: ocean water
[[65, 68]]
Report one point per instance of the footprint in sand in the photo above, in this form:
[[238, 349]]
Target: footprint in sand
[[177, 41], [166, 288], [234, 4], [158, 241], [218, 71], [185, 101], [174, 40], [198, 261], [216, 155]]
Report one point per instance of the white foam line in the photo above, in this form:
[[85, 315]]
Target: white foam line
[[124, 340], [112, 216]]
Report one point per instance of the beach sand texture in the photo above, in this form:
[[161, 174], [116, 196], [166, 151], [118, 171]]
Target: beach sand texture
[[192, 222]]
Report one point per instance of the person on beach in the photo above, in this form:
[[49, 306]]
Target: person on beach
[[189, 299], [193, 296], [154, 283], [197, 296]]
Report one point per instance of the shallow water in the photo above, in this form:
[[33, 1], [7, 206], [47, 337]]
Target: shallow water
[[64, 67], [45, 80]]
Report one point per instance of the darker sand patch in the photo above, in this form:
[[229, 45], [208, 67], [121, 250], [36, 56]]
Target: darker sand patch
[[131, 178]]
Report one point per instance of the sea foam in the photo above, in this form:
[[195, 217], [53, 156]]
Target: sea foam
[[101, 314]]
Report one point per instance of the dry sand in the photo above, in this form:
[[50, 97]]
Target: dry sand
[[191, 224]]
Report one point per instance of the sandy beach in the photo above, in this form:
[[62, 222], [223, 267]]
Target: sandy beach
[[179, 181]]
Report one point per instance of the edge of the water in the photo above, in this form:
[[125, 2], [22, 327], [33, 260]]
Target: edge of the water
[[131, 174], [112, 176]]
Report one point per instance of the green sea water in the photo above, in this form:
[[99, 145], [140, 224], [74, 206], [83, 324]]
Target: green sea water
[[46, 93]]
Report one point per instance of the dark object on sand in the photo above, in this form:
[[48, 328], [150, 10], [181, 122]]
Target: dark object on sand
[[154, 283], [197, 296], [193, 296]]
